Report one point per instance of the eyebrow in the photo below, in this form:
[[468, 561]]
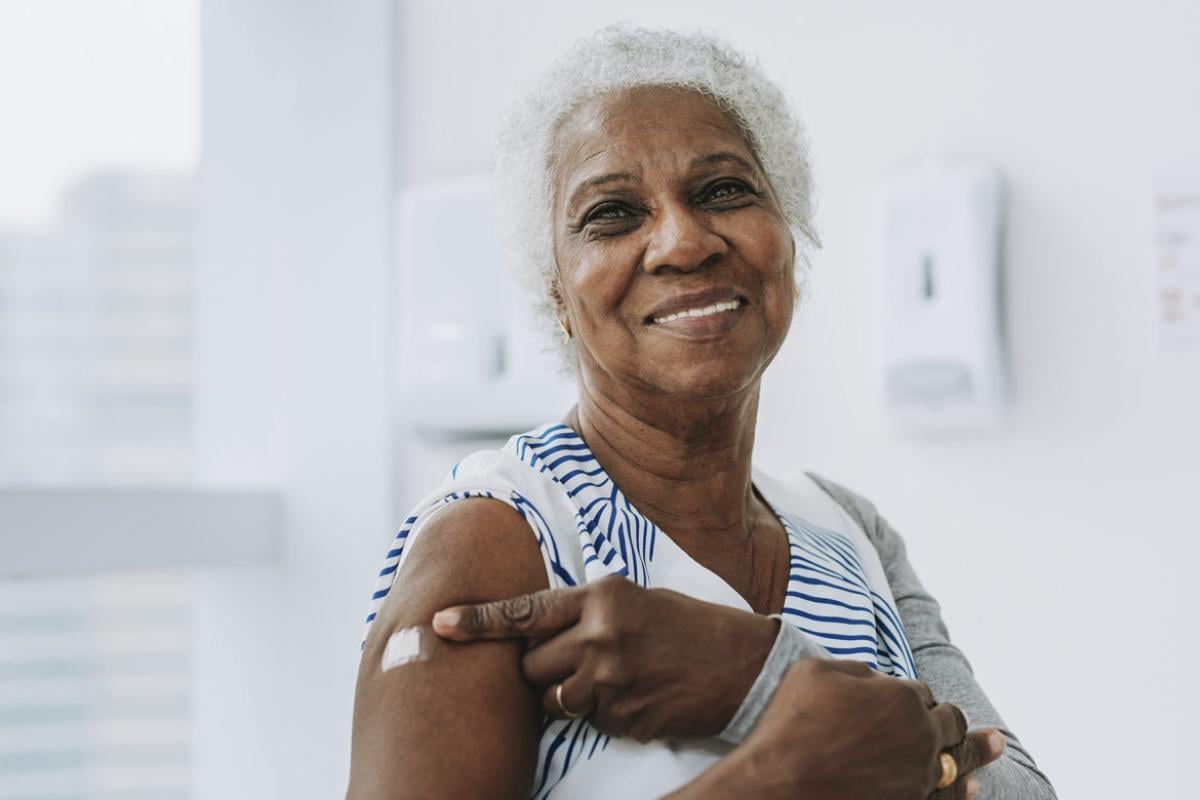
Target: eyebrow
[[599, 180], [723, 157]]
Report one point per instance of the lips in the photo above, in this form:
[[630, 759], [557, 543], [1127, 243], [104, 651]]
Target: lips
[[695, 304]]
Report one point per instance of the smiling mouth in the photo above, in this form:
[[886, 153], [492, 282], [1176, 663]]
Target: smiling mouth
[[700, 311]]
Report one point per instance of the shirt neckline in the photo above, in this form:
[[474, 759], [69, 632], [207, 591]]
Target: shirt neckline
[[738, 601]]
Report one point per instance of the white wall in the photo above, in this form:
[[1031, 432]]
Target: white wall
[[293, 351], [1060, 547]]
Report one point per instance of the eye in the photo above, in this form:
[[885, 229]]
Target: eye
[[725, 190], [607, 212], [608, 219]]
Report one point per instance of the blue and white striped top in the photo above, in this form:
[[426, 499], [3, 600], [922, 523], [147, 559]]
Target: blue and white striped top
[[587, 529]]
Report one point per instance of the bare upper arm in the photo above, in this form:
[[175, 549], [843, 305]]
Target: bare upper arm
[[463, 724]]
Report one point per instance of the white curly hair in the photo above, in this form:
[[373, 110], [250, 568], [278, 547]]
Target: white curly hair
[[622, 57]]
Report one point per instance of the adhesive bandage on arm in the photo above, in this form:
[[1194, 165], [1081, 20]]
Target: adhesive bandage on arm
[[408, 645]]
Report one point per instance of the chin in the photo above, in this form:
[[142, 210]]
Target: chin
[[706, 379]]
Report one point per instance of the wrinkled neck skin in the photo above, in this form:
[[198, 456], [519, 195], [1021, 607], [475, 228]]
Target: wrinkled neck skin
[[683, 463]]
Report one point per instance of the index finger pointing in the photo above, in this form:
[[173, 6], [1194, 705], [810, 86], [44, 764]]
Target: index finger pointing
[[540, 614]]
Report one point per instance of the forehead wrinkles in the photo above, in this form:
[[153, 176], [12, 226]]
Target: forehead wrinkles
[[608, 135]]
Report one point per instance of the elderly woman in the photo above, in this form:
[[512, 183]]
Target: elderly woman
[[627, 607]]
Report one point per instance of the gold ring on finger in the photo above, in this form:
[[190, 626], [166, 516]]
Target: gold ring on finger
[[566, 712], [949, 769]]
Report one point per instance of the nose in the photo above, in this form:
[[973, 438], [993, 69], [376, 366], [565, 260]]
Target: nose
[[681, 240]]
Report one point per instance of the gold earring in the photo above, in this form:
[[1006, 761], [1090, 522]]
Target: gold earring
[[566, 333], [795, 294]]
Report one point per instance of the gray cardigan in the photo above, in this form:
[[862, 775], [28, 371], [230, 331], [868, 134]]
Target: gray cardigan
[[941, 665]]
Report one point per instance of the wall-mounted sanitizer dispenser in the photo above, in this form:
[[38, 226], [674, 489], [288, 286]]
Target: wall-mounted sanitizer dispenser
[[938, 248], [470, 363]]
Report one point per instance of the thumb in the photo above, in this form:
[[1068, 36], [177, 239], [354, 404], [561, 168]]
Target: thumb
[[537, 615]]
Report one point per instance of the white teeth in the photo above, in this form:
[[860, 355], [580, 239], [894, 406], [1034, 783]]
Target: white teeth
[[715, 308]]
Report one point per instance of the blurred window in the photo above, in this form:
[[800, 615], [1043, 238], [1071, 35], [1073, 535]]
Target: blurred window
[[98, 150], [97, 154], [94, 687]]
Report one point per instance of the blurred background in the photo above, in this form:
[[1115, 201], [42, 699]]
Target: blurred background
[[223, 356]]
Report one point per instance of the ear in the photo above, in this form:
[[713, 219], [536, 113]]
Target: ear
[[795, 267], [556, 297], [560, 309]]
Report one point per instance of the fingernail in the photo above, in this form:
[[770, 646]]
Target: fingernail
[[447, 619], [972, 786], [996, 741]]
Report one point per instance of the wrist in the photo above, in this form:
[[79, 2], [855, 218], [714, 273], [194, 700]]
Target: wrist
[[748, 639]]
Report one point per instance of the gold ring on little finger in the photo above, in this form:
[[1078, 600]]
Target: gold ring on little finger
[[949, 771]]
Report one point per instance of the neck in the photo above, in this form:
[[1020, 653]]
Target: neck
[[686, 465]]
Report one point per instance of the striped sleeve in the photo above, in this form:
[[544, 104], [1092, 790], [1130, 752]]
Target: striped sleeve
[[558, 569]]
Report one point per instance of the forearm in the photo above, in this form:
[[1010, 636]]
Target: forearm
[[1014, 776], [940, 664], [944, 668]]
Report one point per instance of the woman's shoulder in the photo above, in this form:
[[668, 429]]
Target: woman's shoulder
[[826, 502], [831, 506], [521, 459], [853, 503], [511, 474], [495, 471], [858, 511], [483, 532], [811, 497]]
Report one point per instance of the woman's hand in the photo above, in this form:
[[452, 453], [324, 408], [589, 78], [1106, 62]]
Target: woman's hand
[[643, 663], [837, 729], [979, 749]]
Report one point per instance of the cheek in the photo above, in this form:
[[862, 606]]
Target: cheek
[[597, 279], [768, 250]]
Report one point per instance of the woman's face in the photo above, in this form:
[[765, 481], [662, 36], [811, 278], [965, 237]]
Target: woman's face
[[675, 264]]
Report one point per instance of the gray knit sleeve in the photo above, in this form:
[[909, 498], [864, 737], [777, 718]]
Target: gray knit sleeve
[[791, 645], [941, 665]]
